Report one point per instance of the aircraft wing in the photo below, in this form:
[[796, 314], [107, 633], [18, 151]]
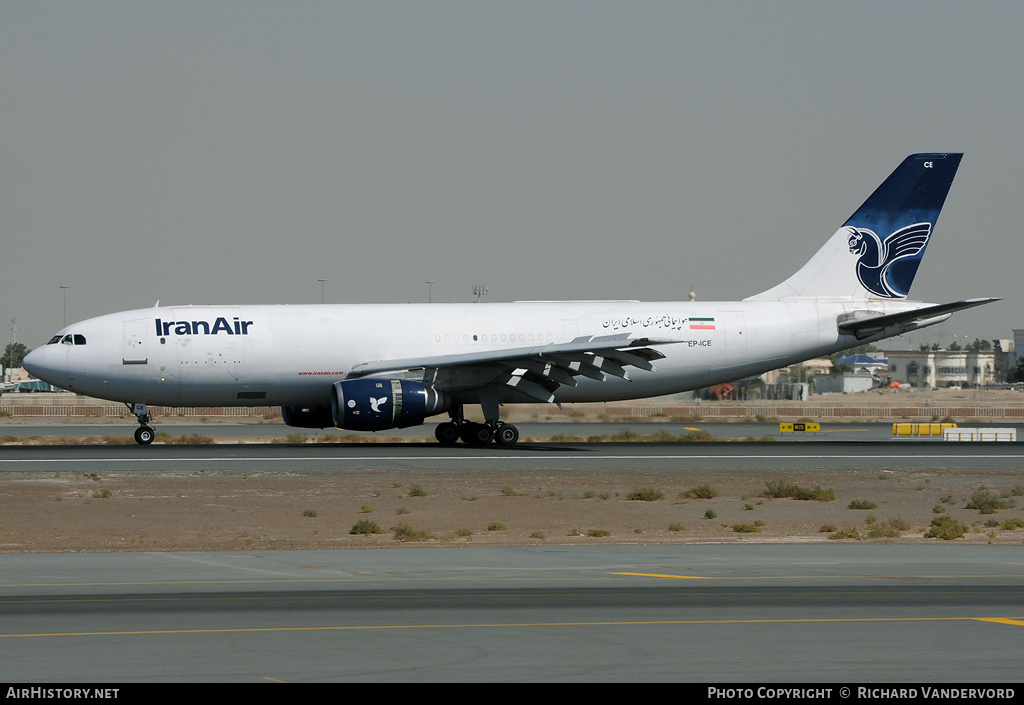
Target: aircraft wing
[[535, 371], [863, 324]]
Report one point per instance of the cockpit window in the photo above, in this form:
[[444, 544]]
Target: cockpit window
[[69, 339]]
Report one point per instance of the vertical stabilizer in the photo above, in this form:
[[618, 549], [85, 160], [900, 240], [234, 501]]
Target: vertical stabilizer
[[878, 250]]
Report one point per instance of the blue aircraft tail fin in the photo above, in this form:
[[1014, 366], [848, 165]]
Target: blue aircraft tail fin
[[878, 250]]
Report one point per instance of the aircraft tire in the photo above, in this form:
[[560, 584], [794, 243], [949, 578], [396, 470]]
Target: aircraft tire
[[506, 435], [475, 434], [144, 435], [447, 434]]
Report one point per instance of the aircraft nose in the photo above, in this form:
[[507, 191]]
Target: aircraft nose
[[36, 364], [29, 362]]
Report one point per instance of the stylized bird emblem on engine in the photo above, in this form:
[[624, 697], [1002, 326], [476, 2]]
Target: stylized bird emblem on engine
[[876, 258], [375, 404]]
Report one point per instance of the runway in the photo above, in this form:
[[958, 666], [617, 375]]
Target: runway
[[704, 614], [753, 456], [530, 431]]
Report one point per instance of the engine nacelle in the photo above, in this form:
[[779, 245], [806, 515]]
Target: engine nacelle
[[378, 404], [308, 416]]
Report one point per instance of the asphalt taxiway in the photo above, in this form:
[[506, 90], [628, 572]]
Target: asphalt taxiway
[[707, 614]]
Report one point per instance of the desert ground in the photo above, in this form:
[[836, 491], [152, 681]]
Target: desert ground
[[183, 511], [214, 510]]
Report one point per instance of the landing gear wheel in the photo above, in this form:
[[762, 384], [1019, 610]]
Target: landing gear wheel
[[144, 434], [447, 434], [475, 434], [506, 435]]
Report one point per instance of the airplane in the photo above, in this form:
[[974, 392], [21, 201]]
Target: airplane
[[372, 367]]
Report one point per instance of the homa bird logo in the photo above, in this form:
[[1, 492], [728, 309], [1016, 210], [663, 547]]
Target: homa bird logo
[[886, 267], [374, 404]]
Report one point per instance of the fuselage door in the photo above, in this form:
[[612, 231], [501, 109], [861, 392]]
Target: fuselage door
[[737, 343], [136, 350]]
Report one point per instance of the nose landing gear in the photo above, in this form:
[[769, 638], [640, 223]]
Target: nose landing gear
[[144, 434]]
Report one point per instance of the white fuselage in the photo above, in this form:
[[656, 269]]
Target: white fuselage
[[292, 354]]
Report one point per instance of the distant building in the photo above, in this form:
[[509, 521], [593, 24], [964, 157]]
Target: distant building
[[1005, 358], [843, 384], [943, 368], [862, 364], [1018, 347], [817, 366], [14, 374]]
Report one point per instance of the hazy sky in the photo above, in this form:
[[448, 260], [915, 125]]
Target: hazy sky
[[238, 152]]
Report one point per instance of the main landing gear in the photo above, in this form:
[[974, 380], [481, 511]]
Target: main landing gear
[[144, 434], [476, 434]]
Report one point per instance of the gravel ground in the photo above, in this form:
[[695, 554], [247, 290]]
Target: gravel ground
[[178, 511]]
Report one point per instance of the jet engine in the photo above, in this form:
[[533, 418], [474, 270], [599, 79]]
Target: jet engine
[[378, 404]]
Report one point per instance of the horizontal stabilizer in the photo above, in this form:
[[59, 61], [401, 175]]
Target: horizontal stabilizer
[[863, 324]]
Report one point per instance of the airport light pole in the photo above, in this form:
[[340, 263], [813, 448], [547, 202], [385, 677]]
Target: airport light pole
[[321, 289], [430, 291], [64, 290]]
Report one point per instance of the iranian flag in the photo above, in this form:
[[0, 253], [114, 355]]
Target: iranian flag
[[702, 324]]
